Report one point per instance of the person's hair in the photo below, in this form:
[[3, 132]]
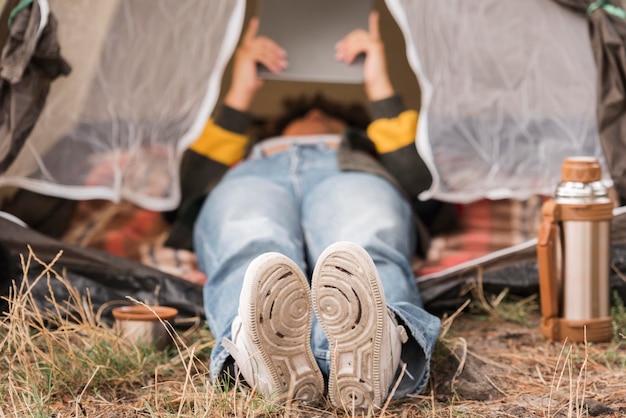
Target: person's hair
[[355, 115]]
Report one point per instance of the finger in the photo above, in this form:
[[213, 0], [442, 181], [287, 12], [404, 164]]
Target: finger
[[356, 36], [271, 47], [252, 30], [374, 27], [274, 65], [350, 37], [264, 47], [270, 55], [349, 50]]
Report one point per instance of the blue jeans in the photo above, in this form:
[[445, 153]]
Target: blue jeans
[[296, 203]]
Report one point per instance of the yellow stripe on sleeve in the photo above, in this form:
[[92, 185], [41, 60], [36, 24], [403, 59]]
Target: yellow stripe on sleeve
[[220, 144], [392, 134]]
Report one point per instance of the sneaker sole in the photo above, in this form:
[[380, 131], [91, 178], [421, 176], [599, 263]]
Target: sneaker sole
[[349, 302], [279, 321]]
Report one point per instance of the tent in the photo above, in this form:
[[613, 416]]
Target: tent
[[508, 89]]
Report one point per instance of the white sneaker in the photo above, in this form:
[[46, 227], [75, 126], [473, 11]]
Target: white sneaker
[[365, 339], [271, 337]]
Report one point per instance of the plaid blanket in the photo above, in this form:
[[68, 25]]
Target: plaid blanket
[[126, 230], [129, 231], [485, 226]]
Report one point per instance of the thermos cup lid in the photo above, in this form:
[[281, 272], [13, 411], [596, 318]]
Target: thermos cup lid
[[581, 180], [581, 170]]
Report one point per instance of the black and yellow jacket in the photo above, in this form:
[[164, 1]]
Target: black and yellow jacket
[[386, 149]]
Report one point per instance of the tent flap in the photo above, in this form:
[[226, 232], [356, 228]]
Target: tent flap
[[145, 77], [30, 61], [508, 93], [607, 30], [104, 279]]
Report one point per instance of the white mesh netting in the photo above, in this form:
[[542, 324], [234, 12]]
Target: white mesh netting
[[145, 77], [508, 91]]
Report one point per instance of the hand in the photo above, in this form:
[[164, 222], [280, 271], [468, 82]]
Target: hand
[[359, 41], [252, 51]]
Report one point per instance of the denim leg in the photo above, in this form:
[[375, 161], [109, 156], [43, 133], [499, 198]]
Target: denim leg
[[243, 217], [255, 209], [368, 210]]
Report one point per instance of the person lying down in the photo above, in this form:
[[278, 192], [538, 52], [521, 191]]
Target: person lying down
[[306, 238]]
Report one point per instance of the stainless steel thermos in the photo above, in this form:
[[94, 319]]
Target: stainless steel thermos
[[573, 254]]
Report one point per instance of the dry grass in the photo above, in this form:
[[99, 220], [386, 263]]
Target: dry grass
[[490, 360]]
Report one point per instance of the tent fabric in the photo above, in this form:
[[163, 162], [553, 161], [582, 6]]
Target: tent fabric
[[607, 30], [30, 61], [503, 100], [507, 93], [99, 277], [145, 77]]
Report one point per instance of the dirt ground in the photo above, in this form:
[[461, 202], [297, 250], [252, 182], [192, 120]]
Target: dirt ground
[[490, 366], [491, 360], [484, 366]]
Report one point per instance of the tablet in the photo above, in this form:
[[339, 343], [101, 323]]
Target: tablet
[[308, 30]]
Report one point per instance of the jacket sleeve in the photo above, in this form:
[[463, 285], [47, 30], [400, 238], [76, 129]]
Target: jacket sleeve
[[393, 134], [221, 145]]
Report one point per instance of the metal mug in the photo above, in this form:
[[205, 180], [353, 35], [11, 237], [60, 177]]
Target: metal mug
[[573, 254]]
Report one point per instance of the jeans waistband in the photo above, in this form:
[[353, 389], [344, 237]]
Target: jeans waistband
[[281, 144]]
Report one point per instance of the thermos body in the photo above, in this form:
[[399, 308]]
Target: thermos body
[[585, 270], [573, 254]]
